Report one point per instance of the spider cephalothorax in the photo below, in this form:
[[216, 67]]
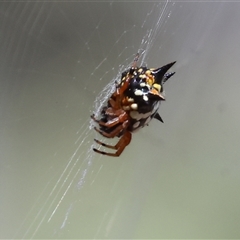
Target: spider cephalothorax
[[133, 105]]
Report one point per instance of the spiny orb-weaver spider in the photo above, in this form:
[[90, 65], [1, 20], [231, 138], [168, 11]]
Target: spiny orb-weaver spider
[[133, 105]]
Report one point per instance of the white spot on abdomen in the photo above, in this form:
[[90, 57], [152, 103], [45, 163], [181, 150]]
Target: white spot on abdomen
[[136, 124], [147, 121], [145, 98], [134, 106], [130, 100], [138, 93], [136, 115]]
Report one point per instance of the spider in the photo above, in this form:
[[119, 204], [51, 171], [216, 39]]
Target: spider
[[133, 105]]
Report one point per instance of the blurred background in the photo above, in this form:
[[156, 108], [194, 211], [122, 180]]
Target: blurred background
[[179, 179]]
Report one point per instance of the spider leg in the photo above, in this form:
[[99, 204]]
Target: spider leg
[[119, 119], [113, 103], [97, 121], [94, 119], [104, 144], [112, 134], [122, 87], [114, 112], [118, 114], [125, 85], [120, 146], [134, 64], [115, 131]]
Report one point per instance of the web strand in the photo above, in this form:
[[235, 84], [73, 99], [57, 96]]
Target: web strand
[[123, 47]]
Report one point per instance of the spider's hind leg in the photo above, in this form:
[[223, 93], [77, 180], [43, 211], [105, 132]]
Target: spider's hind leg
[[120, 146]]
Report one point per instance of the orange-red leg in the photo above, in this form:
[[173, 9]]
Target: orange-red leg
[[121, 117], [120, 146], [112, 134], [115, 132], [115, 115]]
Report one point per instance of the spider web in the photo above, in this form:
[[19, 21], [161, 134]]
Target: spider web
[[59, 62], [103, 50]]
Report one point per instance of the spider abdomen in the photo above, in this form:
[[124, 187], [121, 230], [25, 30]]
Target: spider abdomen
[[140, 120]]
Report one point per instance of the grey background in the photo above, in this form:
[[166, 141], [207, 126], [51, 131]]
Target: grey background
[[179, 179]]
